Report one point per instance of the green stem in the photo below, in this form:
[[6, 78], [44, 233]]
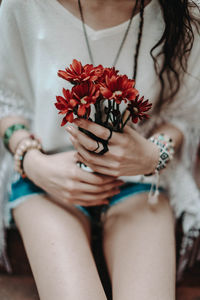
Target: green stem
[[98, 115], [118, 116], [109, 110], [123, 125]]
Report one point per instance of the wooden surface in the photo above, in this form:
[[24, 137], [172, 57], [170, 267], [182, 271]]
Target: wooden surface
[[17, 288], [23, 288]]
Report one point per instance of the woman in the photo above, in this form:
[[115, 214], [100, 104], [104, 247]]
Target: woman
[[49, 207]]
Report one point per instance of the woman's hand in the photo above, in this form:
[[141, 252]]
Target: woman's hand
[[60, 177], [129, 153]]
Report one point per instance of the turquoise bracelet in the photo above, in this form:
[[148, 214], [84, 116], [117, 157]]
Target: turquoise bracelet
[[9, 132]]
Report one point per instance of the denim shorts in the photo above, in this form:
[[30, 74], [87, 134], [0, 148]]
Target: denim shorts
[[21, 189]]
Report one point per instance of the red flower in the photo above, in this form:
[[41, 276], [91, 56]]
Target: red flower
[[119, 88], [77, 73], [77, 101], [85, 94], [107, 72], [66, 106], [110, 72], [137, 109], [94, 73]]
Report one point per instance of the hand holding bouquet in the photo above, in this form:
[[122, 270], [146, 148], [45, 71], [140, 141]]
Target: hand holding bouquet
[[106, 90]]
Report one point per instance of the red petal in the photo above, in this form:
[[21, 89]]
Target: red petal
[[59, 106], [70, 117], [66, 94], [76, 66], [106, 92], [135, 120], [60, 99], [81, 111], [63, 112], [64, 121], [63, 75]]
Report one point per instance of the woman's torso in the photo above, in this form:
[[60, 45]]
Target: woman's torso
[[52, 37]]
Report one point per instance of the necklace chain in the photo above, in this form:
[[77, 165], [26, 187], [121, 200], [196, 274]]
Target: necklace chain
[[123, 39]]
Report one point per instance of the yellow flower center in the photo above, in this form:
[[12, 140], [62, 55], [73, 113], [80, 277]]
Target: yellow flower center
[[117, 93], [83, 101], [135, 109]]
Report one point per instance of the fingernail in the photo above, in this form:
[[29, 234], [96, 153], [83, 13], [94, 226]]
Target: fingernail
[[69, 128]]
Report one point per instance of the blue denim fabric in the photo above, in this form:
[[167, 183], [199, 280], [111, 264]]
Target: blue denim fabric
[[24, 187]]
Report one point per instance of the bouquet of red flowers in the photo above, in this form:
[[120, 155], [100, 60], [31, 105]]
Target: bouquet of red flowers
[[105, 89]]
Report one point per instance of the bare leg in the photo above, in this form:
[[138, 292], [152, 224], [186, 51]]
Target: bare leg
[[57, 242], [140, 249]]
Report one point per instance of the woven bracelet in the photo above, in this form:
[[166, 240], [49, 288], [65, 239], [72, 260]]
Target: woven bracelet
[[166, 147], [9, 132]]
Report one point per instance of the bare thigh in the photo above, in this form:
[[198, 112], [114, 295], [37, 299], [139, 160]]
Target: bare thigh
[[57, 242], [139, 246]]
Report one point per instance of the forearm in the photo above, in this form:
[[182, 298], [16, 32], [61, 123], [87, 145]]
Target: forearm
[[173, 132], [18, 135], [32, 157]]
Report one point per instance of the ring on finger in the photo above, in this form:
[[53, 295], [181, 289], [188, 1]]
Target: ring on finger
[[99, 147], [96, 147]]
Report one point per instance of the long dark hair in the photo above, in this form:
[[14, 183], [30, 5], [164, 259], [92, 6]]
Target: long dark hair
[[176, 44]]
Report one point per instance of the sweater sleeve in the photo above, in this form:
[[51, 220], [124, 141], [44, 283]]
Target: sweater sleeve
[[16, 95], [15, 87], [184, 111]]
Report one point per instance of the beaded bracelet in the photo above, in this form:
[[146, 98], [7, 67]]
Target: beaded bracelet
[[9, 132], [22, 149], [166, 147]]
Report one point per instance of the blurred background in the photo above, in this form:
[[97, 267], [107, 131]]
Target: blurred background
[[20, 284]]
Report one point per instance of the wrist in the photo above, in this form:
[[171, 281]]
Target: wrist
[[22, 149], [153, 159], [32, 163], [16, 138]]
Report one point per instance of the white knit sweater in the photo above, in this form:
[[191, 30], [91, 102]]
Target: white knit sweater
[[38, 37]]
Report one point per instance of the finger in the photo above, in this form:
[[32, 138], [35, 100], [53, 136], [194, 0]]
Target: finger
[[96, 129], [90, 145], [93, 189], [91, 203], [88, 198], [131, 132], [111, 162], [90, 177], [128, 129], [87, 142], [101, 169], [92, 158], [88, 156], [85, 202]]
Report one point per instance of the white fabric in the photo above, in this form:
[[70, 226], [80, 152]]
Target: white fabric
[[197, 2], [40, 37]]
